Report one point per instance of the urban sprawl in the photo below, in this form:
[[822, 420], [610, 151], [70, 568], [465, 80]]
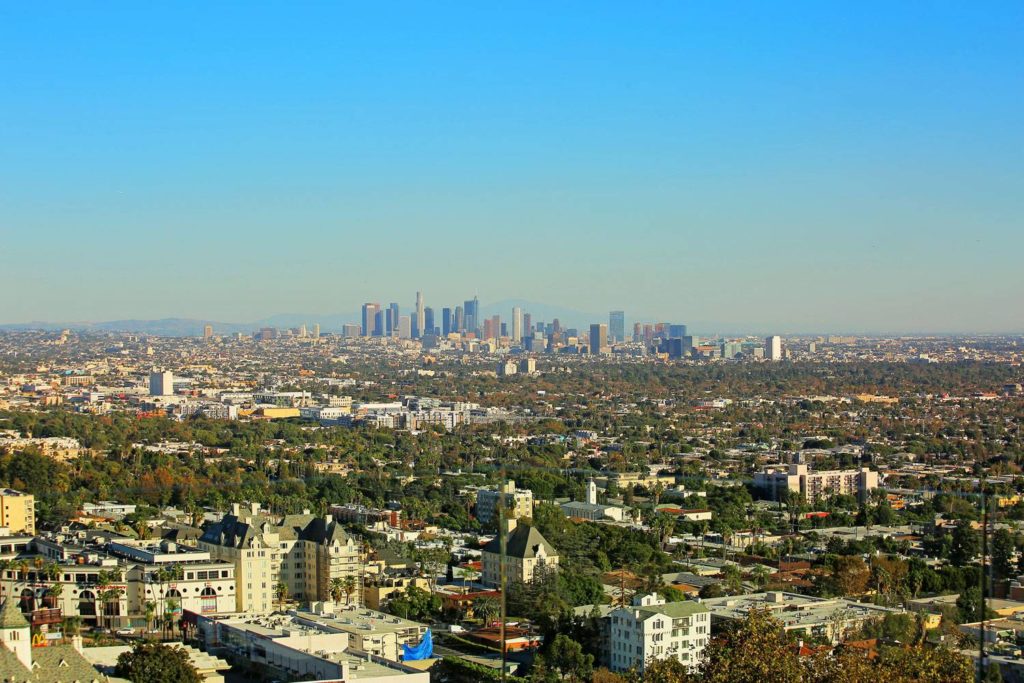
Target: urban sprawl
[[442, 496]]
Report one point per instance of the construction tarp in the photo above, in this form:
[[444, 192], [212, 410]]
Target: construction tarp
[[424, 650]]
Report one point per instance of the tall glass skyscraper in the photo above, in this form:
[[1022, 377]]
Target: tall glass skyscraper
[[471, 314], [617, 326], [446, 321]]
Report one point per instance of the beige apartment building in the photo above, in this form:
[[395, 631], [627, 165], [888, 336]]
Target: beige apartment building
[[304, 552], [814, 485], [18, 512], [526, 551]]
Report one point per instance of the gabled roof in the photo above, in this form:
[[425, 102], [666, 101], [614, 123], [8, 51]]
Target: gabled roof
[[234, 533], [11, 616], [63, 664], [523, 542]]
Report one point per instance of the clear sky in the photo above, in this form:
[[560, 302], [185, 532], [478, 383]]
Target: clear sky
[[794, 166]]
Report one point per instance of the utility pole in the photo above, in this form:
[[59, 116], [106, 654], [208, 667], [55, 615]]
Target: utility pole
[[984, 603], [501, 569]]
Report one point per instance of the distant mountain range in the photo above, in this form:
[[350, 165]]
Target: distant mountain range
[[191, 327]]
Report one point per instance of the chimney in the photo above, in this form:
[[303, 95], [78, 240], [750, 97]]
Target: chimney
[[236, 509]]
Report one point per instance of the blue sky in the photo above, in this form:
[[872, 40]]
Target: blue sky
[[847, 166]]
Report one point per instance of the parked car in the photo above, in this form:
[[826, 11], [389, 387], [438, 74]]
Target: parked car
[[125, 632]]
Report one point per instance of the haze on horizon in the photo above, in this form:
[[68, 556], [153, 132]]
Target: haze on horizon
[[792, 166]]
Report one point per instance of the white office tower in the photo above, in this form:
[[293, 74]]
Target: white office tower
[[418, 327], [316, 330], [517, 325], [773, 347], [161, 383]]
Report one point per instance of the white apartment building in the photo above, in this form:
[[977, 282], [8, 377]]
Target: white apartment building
[[519, 502], [653, 629], [773, 348], [814, 485]]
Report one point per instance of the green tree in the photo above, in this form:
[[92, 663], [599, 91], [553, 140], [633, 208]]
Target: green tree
[[149, 662], [1002, 554], [568, 658], [966, 544]]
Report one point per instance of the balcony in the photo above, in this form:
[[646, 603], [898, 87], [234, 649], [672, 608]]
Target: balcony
[[40, 617]]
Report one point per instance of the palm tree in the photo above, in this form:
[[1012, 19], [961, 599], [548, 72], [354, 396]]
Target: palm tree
[[348, 584], [170, 609], [53, 594], [108, 597], [337, 589], [760, 575], [161, 576], [468, 573], [486, 608], [150, 608], [281, 593]]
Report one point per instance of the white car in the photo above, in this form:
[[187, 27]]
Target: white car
[[125, 632]]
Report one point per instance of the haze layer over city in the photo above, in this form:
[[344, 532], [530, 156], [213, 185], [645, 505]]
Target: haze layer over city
[[593, 343]]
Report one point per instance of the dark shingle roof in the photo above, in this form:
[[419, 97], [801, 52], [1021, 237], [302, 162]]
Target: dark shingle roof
[[523, 543]]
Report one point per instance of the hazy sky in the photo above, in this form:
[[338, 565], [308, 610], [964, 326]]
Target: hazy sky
[[791, 166]]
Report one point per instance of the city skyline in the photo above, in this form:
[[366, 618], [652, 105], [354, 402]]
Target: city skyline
[[797, 167]]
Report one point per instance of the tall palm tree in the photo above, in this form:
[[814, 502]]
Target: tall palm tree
[[150, 608], [348, 584], [337, 588], [281, 593]]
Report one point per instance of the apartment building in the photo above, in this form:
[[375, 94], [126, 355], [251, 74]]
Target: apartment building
[[526, 552], [650, 629], [109, 584], [305, 552], [518, 502], [798, 478], [18, 512]]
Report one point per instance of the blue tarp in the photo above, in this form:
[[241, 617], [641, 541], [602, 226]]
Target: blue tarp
[[424, 650]]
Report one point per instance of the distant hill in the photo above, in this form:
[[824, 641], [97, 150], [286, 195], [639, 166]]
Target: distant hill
[[188, 327]]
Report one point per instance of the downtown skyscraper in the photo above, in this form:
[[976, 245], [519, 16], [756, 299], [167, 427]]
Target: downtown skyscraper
[[617, 326]]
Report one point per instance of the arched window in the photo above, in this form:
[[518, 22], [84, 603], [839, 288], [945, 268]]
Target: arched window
[[87, 604], [28, 600], [208, 600]]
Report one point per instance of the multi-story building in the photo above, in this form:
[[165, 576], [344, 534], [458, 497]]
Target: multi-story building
[[115, 583], [830, 619], [773, 348], [369, 318], [527, 552], [517, 502], [598, 338], [653, 629], [814, 485], [617, 326], [304, 552], [17, 512], [161, 383]]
